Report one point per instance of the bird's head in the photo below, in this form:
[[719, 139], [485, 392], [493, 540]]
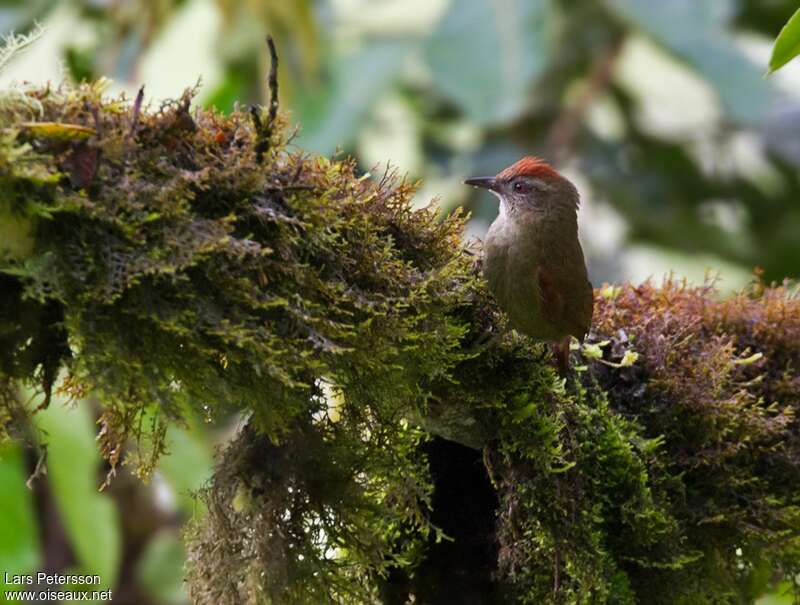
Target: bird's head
[[530, 185]]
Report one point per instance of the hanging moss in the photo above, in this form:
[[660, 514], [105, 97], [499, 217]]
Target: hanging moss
[[152, 258]]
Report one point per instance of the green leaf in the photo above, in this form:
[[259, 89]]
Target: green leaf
[[330, 116], [697, 33], [787, 44], [188, 463], [628, 359], [748, 360], [19, 534], [73, 467], [782, 595], [487, 54], [57, 131], [161, 569]]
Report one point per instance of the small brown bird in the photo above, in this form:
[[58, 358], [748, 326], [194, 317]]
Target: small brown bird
[[533, 260]]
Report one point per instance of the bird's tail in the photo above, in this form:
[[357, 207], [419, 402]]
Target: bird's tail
[[560, 351]]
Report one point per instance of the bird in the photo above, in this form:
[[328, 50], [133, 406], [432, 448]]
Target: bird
[[533, 262]]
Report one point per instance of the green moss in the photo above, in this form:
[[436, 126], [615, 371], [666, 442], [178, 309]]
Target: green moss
[[165, 269]]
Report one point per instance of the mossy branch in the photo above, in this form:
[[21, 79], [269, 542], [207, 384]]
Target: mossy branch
[[171, 271]]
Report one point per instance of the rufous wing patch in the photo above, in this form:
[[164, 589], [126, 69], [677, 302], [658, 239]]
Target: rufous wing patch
[[567, 308], [552, 298]]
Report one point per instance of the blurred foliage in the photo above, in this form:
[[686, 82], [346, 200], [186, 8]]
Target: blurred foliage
[[483, 57], [161, 569], [19, 549], [174, 273], [89, 518]]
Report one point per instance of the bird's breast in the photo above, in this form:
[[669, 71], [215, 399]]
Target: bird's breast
[[511, 256]]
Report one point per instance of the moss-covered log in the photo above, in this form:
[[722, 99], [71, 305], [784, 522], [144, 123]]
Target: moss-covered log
[[157, 260]]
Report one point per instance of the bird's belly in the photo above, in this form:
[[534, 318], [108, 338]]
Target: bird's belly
[[525, 312]]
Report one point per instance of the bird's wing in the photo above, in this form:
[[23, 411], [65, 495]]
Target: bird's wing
[[584, 308], [567, 300]]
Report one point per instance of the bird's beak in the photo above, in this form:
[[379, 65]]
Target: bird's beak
[[484, 182]]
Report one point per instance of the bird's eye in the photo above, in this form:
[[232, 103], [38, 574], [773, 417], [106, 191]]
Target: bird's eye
[[519, 187]]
